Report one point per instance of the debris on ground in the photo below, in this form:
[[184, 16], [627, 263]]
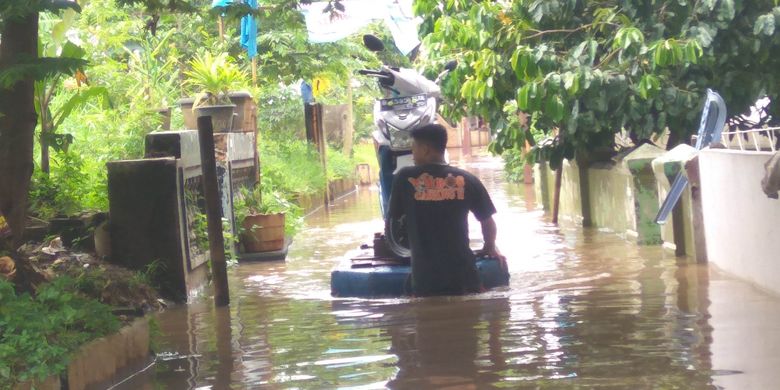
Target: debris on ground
[[7, 268], [128, 291]]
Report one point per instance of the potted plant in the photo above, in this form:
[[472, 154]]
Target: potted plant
[[215, 76], [261, 213]]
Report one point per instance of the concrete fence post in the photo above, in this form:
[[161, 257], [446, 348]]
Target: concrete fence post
[[677, 233], [645, 191]]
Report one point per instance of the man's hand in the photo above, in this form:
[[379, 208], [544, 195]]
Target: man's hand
[[489, 231], [490, 251], [493, 252]]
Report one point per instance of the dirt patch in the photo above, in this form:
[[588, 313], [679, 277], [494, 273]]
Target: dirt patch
[[128, 291]]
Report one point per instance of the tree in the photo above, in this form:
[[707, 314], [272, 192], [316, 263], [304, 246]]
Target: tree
[[594, 68], [20, 67]]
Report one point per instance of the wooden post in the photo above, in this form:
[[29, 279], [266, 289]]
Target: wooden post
[[557, 189], [557, 193], [254, 71], [348, 128], [208, 164], [224, 334], [221, 25], [316, 136]]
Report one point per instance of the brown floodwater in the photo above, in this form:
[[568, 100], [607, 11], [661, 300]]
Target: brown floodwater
[[584, 309]]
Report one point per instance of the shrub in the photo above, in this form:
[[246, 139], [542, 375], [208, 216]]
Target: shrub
[[293, 166], [37, 334], [340, 166]]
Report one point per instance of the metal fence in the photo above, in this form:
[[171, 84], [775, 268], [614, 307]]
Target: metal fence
[[764, 139]]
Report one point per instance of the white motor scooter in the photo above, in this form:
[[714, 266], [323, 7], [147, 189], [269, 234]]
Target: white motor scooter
[[410, 101]]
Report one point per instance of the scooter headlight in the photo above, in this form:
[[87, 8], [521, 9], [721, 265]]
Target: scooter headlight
[[399, 139]]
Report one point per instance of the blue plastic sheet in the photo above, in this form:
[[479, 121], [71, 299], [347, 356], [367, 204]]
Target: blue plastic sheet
[[249, 31], [220, 3]]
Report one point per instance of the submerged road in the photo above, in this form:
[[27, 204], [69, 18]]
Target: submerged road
[[584, 309]]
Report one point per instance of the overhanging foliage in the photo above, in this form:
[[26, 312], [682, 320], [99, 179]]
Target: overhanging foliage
[[593, 68]]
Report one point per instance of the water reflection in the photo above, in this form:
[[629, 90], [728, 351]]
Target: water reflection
[[583, 309], [443, 345]]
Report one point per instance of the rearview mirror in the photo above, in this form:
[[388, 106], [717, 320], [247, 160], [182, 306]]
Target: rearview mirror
[[451, 65], [373, 43]]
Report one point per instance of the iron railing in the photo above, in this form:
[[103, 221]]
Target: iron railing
[[764, 139]]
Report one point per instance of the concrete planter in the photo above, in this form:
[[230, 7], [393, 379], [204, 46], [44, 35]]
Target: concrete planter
[[221, 116], [101, 362], [337, 188], [309, 202], [246, 112], [341, 187]]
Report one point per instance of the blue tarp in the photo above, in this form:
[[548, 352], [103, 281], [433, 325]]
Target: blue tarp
[[249, 31], [307, 93], [248, 26]]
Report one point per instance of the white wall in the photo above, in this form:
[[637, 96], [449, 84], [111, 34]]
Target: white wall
[[742, 225]]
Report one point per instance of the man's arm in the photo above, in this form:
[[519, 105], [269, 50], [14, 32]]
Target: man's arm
[[489, 232]]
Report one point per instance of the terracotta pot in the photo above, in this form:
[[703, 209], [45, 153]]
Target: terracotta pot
[[263, 232]]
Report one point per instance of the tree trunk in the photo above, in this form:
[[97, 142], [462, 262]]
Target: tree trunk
[[44, 141], [17, 124], [674, 140], [44, 155]]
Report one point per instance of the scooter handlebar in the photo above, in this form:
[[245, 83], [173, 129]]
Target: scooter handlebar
[[368, 72], [385, 78]]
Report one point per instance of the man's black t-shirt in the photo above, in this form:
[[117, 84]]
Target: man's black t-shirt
[[436, 200]]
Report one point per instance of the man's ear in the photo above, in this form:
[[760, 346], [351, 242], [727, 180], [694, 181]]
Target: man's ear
[[428, 150]]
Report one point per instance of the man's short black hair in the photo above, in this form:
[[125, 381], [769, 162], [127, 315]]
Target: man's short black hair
[[433, 135]]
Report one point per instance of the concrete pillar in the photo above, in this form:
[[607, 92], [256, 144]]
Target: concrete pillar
[[697, 216], [145, 220], [582, 166], [541, 185], [466, 134], [677, 232], [644, 187]]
